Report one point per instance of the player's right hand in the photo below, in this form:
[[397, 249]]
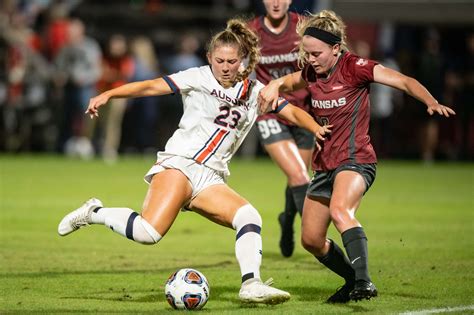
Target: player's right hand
[[95, 103], [268, 98], [321, 134]]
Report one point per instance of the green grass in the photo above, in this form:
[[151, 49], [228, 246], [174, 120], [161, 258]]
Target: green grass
[[419, 220]]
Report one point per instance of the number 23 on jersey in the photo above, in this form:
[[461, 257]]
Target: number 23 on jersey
[[227, 117]]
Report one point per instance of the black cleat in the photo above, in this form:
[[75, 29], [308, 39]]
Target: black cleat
[[363, 290], [341, 295], [287, 242]]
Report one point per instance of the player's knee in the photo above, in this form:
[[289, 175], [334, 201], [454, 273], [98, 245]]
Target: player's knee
[[246, 215], [339, 214], [144, 233], [313, 244], [298, 178]]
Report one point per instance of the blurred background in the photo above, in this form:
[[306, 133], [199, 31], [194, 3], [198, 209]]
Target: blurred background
[[55, 55]]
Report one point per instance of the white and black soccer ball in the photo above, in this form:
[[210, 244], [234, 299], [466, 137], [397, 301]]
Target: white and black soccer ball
[[187, 289]]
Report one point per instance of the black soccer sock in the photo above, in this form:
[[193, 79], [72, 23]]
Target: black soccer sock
[[299, 193], [337, 262], [290, 209], [355, 242]]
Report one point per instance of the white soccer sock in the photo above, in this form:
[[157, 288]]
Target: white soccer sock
[[128, 223], [248, 245]]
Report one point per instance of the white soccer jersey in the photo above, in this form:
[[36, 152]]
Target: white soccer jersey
[[215, 120]]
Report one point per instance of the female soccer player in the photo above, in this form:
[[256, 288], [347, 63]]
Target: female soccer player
[[345, 166], [288, 145], [220, 106]]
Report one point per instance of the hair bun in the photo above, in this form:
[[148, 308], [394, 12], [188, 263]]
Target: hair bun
[[236, 26]]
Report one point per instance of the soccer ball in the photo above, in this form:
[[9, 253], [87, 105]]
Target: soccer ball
[[187, 289]]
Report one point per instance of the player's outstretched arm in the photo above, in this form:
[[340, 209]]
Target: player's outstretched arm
[[302, 119], [135, 89], [268, 96], [412, 87]]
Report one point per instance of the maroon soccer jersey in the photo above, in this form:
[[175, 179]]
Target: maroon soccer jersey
[[342, 100], [279, 57]]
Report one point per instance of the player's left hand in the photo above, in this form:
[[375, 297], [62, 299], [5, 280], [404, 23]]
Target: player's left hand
[[440, 109]]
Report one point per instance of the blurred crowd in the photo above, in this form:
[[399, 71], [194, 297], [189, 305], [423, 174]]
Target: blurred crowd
[[51, 66]]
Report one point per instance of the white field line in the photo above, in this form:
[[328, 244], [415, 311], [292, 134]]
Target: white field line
[[440, 310]]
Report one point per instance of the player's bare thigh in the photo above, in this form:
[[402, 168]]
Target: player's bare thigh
[[287, 156], [306, 155], [218, 203], [286, 145], [315, 223], [348, 190], [169, 191]]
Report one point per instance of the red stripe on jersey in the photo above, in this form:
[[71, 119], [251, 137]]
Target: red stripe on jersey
[[211, 146], [245, 89]]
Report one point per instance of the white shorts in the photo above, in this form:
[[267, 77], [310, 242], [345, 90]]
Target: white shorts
[[200, 176]]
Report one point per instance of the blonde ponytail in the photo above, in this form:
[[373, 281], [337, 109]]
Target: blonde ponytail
[[238, 33]]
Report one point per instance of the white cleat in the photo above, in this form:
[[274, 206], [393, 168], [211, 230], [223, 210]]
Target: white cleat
[[255, 291], [78, 218]]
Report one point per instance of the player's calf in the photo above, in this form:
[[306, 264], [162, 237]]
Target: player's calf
[[287, 242]]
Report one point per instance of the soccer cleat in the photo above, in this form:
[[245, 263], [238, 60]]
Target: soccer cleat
[[363, 290], [255, 291], [287, 242], [342, 294], [78, 218]]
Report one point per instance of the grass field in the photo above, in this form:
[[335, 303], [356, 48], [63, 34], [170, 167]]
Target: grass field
[[419, 220]]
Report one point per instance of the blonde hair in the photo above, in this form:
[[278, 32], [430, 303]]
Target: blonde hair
[[325, 20], [142, 48], [238, 33]]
